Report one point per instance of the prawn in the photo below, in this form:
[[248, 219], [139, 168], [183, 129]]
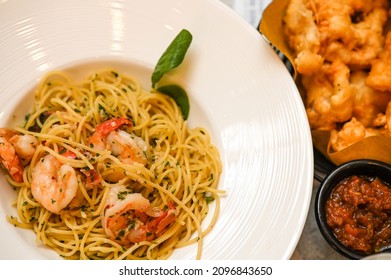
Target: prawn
[[129, 148], [53, 184], [16, 151], [129, 218]]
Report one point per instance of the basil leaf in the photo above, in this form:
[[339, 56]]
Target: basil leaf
[[173, 56], [180, 97]]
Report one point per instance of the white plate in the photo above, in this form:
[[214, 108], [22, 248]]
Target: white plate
[[239, 90]]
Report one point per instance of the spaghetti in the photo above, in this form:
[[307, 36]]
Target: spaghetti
[[175, 175]]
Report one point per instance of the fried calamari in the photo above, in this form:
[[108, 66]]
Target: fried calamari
[[379, 77], [344, 60]]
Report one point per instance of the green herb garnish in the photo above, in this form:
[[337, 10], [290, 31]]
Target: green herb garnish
[[179, 95], [170, 59], [173, 56]]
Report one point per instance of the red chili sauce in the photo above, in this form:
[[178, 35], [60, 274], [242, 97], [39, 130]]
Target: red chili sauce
[[359, 213]]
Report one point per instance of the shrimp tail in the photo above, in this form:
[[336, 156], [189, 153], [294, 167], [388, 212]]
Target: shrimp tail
[[14, 168], [9, 157], [97, 141], [108, 126], [159, 224]]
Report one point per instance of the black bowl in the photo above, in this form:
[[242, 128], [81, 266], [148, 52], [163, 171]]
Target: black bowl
[[370, 168]]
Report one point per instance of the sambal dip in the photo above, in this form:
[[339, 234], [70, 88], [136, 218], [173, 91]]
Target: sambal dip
[[359, 213]]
